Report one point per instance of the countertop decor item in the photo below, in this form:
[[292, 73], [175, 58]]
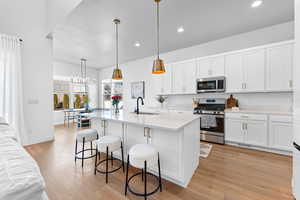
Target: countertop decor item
[[231, 102], [161, 99], [137, 89], [158, 64], [117, 73], [115, 102]]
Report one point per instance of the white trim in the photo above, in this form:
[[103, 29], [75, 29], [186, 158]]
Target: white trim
[[264, 149]]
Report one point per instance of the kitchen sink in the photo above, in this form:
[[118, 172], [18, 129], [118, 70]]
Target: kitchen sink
[[147, 113]]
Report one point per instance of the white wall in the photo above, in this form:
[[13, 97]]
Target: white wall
[[57, 11], [27, 19], [141, 69], [64, 69], [61, 68]]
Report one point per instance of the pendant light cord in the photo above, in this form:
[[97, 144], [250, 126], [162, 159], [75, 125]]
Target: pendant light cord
[[117, 46], [81, 71], [157, 29]]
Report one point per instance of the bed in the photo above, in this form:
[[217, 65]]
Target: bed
[[20, 175]]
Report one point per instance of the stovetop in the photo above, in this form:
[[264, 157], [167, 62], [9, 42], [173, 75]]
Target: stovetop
[[210, 106]]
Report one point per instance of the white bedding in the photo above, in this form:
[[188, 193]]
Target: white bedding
[[20, 177], [7, 132]]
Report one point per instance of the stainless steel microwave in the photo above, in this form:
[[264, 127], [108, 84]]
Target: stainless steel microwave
[[212, 84]]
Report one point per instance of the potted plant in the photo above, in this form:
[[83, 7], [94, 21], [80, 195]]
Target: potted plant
[[115, 102]]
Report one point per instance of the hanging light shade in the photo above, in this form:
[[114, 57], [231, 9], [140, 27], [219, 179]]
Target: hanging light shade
[[117, 73], [158, 64]]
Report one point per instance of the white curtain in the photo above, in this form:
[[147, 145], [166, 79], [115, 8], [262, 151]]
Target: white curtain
[[11, 95]]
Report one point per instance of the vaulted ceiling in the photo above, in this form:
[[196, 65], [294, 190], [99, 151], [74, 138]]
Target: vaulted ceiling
[[89, 31]]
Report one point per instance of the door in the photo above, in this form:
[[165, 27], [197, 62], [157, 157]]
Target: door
[[218, 66], [135, 135], [256, 133], [169, 164], [234, 130], [167, 80], [184, 77], [254, 70], [156, 84], [296, 173], [203, 68], [234, 73], [178, 78], [279, 68], [281, 135]]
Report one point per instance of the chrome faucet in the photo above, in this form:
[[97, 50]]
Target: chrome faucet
[[137, 104]]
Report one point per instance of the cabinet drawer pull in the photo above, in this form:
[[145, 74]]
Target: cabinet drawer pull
[[244, 116], [291, 83]]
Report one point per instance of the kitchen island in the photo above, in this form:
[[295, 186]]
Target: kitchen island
[[176, 135]]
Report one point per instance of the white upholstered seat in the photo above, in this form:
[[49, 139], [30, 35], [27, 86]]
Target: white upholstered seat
[[140, 153], [89, 135], [112, 142]]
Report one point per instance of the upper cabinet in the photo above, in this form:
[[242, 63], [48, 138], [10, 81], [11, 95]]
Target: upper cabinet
[[234, 73], [245, 71], [279, 68], [212, 66], [254, 70], [260, 69], [184, 77], [162, 83]]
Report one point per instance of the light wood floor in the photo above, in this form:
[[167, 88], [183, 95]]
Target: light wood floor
[[229, 173]]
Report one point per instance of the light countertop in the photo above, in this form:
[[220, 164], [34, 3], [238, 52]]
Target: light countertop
[[254, 111], [165, 120]]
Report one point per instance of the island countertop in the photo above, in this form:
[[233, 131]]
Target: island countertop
[[173, 120]]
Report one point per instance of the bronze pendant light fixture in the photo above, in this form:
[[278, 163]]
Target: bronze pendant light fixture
[[117, 73], [158, 64]]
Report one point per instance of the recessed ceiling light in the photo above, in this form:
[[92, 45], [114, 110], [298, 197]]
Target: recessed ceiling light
[[180, 30], [256, 3], [137, 44]]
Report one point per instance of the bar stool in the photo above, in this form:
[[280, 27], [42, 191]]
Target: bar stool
[[142, 156], [83, 136], [108, 144]]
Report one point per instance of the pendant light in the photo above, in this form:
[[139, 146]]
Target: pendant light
[[117, 73], [83, 73], [158, 64]]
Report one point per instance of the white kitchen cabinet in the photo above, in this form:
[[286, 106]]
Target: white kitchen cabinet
[[245, 71], [254, 70], [281, 132], [256, 132], [210, 67], [247, 129], [234, 72], [162, 83], [140, 136], [234, 130], [184, 77], [279, 68]]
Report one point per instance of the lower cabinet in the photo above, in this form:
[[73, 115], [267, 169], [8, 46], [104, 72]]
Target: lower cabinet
[[273, 132], [281, 132], [234, 130], [247, 129], [256, 132]]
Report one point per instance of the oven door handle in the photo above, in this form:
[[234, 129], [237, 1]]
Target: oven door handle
[[216, 116]]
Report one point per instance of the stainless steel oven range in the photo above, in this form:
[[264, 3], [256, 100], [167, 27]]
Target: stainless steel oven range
[[212, 112]]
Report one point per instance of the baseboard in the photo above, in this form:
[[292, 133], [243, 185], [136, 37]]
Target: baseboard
[[40, 140], [270, 150]]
